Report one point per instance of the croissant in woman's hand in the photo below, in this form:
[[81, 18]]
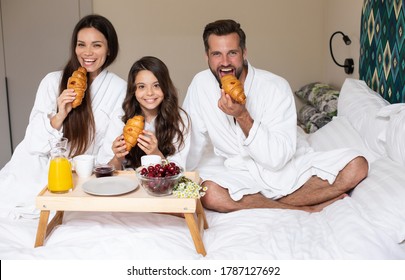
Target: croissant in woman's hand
[[232, 86], [78, 82], [132, 129]]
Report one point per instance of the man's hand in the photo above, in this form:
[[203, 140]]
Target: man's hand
[[236, 110], [230, 106]]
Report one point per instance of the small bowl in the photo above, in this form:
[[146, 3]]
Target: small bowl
[[158, 186], [104, 170]]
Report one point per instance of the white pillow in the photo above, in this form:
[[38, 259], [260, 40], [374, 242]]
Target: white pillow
[[360, 105], [395, 134], [339, 133], [382, 197]]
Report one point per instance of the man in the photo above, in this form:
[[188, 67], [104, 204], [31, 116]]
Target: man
[[247, 154]]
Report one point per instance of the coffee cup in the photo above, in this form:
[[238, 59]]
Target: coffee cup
[[150, 160], [83, 165]]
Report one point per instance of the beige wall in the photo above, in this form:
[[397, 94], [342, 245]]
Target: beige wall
[[282, 36], [343, 15], [290, 38]]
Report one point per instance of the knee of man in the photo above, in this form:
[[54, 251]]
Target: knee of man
[[361, 167]]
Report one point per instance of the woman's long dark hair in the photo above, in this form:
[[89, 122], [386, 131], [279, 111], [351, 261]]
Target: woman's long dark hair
[[169, 124], [79, 126]]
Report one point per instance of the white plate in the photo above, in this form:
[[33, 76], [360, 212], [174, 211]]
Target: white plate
[[109, 186]]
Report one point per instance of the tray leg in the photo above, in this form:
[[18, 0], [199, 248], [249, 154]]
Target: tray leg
[[195, 233], [201, 215], [44, 228]]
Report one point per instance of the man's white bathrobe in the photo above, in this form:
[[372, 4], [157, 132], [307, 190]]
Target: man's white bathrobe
[[25, 174], [272, 160]]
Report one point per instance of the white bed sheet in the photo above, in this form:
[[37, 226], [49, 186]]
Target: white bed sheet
[[338, 232]]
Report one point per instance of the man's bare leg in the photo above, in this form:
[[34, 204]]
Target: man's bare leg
[[313, 196], [316, 190], [218, 199]]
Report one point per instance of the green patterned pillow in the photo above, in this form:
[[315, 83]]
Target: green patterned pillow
[[322, 96], [310, 119]]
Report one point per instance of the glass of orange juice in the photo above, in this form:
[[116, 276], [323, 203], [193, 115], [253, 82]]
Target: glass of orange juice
[[60, 170]]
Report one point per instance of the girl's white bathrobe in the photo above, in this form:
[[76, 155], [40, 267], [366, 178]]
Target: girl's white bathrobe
[[116, 128], [272, 160], [25, 174]]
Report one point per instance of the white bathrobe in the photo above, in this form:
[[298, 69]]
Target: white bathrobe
[[271, 160], [116, 127], [22, 178]]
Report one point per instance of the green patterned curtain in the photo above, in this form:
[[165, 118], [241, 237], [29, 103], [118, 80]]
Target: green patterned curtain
[[382, 48]]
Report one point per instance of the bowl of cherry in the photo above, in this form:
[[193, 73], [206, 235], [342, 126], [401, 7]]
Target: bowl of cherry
[[159, 179]]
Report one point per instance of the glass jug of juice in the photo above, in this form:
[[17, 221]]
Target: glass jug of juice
[[60, 170]]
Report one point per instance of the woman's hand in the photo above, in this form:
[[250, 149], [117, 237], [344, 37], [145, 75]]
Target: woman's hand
[[148, 143], [64, 103]]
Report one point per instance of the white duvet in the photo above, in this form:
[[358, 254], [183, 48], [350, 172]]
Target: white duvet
[[338, 232]]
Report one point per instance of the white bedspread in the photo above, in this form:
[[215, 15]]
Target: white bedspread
[[338, 232]]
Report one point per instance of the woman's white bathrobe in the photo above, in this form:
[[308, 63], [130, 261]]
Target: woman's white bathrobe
[[25, 174], [271, 160]]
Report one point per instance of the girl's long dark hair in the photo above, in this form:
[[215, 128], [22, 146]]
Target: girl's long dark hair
[[169, 124], [79, 126]]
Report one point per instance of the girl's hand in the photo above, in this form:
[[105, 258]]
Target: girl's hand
[[119, 148], [148, 143]]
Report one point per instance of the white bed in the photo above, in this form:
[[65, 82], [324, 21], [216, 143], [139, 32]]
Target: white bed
[[370, 224]]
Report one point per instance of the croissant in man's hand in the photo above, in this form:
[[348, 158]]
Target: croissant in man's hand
[[232, 86]]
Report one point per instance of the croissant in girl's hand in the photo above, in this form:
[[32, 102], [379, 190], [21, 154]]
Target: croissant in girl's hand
[[78, 82], [132, 129], [232, 86]]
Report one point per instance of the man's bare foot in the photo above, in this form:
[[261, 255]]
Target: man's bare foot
[[319, 207]]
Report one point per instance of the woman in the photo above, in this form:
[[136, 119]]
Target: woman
[[94, 46], [150, 93]]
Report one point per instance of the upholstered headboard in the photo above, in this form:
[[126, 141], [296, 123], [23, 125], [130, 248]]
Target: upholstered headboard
[[382, 48]]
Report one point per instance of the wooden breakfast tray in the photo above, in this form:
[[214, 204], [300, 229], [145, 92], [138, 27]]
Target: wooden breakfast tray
[[137, 201]]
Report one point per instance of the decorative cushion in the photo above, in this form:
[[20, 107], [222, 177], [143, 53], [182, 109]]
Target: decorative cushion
[[310, 119], [360, 105], [322, 96]]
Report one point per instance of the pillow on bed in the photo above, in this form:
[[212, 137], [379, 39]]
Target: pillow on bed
[[310, 119], [382, 197], [337, 134], [322, 96], [395, 134], [360, 105]]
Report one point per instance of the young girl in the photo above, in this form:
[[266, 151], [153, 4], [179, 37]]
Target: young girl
[[94, 46], [151, 93]]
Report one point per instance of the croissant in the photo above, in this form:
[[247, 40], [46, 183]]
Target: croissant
[[132, 129], [78, 82], [234, 88]]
